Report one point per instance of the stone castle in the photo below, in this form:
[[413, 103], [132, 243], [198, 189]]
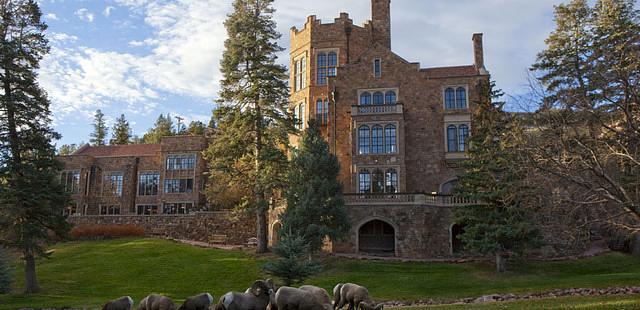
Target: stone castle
[[398, 130]]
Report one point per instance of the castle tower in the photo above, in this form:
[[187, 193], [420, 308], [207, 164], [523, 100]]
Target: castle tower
[[381, 21]]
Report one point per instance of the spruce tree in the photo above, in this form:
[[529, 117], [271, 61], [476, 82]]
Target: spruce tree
[[68, 149], [163, 127], [121, 131], [31, 195], [99, 133], [315, 206], [292, 265], [254, 100], [196, 128], [499, 223]]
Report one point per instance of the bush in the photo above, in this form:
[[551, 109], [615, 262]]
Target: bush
[[5, 272], [99, 232], [293, 265]]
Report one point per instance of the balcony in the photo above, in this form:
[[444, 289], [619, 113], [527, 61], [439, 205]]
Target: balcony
[[357, 110], [407, 199]]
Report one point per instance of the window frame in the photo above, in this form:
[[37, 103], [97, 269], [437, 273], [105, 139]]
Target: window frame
[[372, 146], [327, 68], [145, 190], [190, 160], [388, 180], [377, 68], [455, 103], [372, 91]]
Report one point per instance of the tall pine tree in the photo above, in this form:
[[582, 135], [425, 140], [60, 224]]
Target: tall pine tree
[[315, 206], [99, 134], [163, 127], [493, 176], [121, 131], [254, 110], [31, 195]]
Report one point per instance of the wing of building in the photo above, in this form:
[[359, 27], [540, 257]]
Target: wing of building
[[398, 130]]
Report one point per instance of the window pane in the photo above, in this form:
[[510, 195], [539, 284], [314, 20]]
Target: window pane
[[391, 181], [364, 179], [390, 97], [390, 139], [378, 98], [463, 135], [377, 182], [452, 140], [365, 98], [333, 59], [319, 114], [363, 140], [461, 98], [326, 111], [449, 99], [377, 146], [377, 70], [322, 60]]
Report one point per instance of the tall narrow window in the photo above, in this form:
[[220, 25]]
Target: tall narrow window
[[148, 183], [463, 135], [390, 139], [461, 98], [378, 98], [364, 182], [332, 64], [377, 68], [391, 181], [365, 98], [300, 68], [377, 182], [326, 111], [322, 69], [113, 184], [301, 113], [390, 97], [377, 143], [71, 181], [319, 111], [452, 141], [449, 99], [363, 140]]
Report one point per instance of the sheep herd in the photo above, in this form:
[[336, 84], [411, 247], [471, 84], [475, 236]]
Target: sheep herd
[[262, 295]]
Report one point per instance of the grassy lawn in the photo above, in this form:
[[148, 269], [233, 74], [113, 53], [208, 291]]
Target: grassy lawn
[[86, 274]]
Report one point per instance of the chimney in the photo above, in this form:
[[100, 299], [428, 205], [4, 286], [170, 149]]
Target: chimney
[[478, 53], [381, 21]]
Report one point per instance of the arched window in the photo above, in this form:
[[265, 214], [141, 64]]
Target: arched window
[[332, 64], [463, 135], [391, 181], [377, 182], [452, 140], [449, 99], [322, 69], [378, 98], [319, 112], [365, 98], [363, 140], [326, 111], [390, 139], [364, 182], [461, 98], [390, 97], [377, 140]]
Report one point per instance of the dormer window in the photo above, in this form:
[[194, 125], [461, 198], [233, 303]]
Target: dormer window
[[377, 68]]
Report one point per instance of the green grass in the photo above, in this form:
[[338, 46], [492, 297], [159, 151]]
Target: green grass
[[86, 274], [591, 303]]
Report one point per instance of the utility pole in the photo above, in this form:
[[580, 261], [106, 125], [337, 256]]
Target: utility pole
[[179, 120]]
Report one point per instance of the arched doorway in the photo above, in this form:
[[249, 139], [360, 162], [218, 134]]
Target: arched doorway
[[275, 230], [456, 244], [377, 237]]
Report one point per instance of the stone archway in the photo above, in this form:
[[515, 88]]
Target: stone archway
[[275, 230], [377, 237]]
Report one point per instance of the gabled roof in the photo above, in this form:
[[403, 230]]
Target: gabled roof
[[118, 150], [441, 72]]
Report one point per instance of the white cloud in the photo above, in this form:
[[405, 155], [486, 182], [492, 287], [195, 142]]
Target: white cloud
[[85, 15], [107, 11], [51, 16], [58, 37]]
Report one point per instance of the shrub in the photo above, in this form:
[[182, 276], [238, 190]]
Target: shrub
[[5, 272], [293, 264], [99, 232]]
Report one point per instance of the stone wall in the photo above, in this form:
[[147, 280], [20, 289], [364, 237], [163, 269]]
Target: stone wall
[[201, 226]]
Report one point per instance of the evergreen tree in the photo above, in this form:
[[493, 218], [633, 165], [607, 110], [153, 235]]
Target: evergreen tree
[[5, 272], [163, 127], [315, 207], [292, 266], [99, 133], [121, 131], [499, 223], [31, 195], [253, 114], [196, 128], [68, 149]]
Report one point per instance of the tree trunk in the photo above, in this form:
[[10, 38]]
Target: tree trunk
[[501, 263], [31, 281], [261, 215], [262, 206]]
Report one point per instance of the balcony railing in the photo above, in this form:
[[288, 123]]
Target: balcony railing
[[376, 109], [406, 199]]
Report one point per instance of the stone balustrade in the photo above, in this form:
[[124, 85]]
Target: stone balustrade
[[376, 109], [407, 199]]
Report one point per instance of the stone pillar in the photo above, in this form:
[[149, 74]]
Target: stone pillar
[[381, 21], [478, 53]]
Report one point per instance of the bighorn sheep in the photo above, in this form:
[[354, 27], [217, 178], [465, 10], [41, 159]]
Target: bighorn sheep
[[319, 294], [357, 297], [156, 302], [122, 303], [197, 302], [258, 297], [291, 298], [336, 294]]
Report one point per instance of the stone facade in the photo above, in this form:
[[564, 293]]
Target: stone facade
[[396, 128]]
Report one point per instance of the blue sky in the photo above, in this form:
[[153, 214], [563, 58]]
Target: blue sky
[[146, 57]]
